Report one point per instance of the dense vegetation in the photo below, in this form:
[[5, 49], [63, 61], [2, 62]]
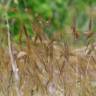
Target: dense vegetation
[[39, 54], [54, 15]]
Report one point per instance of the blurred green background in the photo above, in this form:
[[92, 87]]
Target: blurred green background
[[57, 15]]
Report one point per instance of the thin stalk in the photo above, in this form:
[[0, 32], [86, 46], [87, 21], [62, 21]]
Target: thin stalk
[[13, 61]]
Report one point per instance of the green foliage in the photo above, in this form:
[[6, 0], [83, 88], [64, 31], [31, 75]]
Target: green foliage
[[60, 12]]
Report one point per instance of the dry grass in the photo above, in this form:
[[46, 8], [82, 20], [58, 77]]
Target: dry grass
[[50, 69]]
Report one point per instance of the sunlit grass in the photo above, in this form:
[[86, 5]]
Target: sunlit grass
[[49, 70]]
